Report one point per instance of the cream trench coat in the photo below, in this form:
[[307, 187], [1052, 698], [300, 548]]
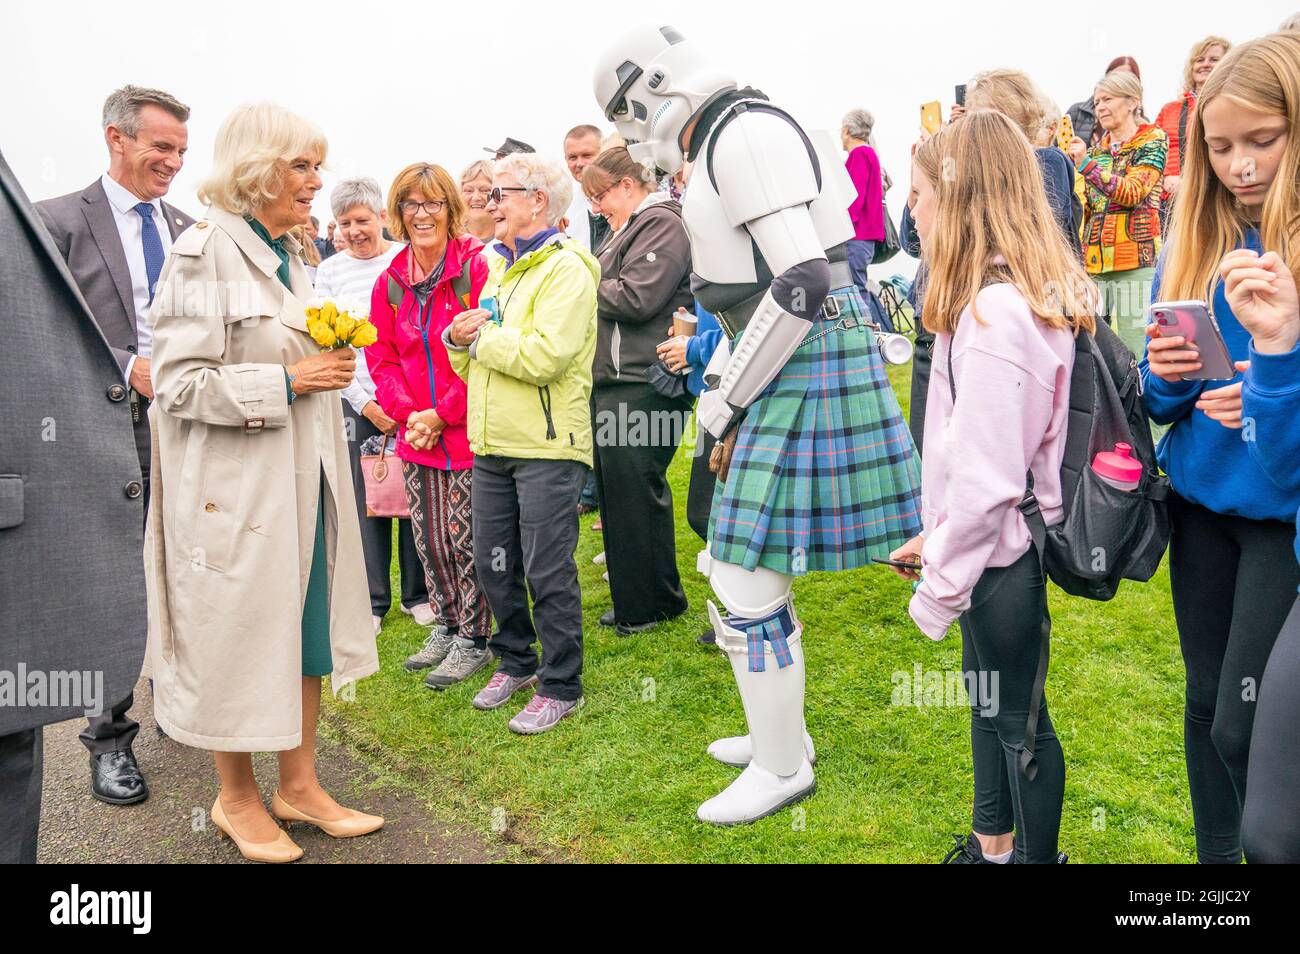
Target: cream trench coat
[[235, 486]]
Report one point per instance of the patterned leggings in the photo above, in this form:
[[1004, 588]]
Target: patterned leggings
[[440, 519]]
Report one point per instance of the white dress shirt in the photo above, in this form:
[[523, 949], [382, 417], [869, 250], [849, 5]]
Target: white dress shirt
[[348, 282], [579, 225], [131, 231]]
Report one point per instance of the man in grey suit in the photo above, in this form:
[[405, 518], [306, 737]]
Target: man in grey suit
[[71, 501], [114, 236]]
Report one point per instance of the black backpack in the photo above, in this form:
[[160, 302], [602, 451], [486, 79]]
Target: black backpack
[[1106, 534]]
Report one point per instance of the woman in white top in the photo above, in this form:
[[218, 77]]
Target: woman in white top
[[348, 278]]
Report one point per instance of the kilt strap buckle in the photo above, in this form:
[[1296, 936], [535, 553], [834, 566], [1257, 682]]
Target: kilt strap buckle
[[830, 309]]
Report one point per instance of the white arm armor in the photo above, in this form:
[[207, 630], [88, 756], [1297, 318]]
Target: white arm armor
[[771, 336]]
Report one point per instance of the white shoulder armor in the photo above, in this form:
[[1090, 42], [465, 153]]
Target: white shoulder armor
[[761, 165]]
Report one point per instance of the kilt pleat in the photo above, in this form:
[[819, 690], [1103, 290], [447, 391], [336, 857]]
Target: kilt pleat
[[824, 475]]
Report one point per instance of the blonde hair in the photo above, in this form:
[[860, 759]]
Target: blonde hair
[[538, 174], [991, 201], [309, 253], [1125, 84], [1199, 50], [479, 167], [1208, 222], [253, 144], [434, 182], [1011, 93]]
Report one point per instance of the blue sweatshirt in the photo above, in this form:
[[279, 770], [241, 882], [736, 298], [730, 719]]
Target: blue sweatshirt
[[1217, 467], [701, 347], [1270, 402]]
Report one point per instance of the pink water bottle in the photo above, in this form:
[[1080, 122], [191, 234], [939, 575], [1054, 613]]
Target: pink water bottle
[[1118, 468]]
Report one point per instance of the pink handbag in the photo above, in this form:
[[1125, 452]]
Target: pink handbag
[[385, 490]]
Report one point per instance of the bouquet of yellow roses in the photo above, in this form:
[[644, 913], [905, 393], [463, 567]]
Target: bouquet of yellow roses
[[333, 327]]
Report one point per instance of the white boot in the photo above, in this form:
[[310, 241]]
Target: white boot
[[780, 772], [738, 750]]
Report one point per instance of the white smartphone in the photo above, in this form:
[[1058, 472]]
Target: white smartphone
[[1192, 320]]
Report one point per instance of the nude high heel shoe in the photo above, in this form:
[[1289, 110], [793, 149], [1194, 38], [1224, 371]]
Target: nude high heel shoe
[[282, 850], [350, 826]]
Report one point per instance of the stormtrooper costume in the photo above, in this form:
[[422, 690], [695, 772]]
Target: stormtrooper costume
[[765, 205]]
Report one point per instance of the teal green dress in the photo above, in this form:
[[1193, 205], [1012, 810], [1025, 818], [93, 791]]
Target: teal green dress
[[316, 657]]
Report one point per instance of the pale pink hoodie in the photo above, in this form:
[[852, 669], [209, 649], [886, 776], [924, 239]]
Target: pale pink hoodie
[[1013, 395]]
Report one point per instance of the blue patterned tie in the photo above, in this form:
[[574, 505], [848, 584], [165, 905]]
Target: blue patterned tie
[[153, 250]]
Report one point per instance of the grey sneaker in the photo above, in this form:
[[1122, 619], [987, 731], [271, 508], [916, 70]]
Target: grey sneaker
[[542, 714], [434, 650], [500, 688], [462, 661]]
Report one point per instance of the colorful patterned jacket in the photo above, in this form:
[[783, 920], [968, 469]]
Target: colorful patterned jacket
[[1122, 215]]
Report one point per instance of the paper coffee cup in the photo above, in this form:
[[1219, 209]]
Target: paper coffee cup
[[684, 323]]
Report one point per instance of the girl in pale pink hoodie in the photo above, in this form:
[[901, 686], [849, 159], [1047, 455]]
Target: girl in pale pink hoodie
[[1002, 285]]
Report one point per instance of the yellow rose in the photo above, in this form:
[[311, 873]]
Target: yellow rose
[[344, 325], [365, 334], [321, 332]]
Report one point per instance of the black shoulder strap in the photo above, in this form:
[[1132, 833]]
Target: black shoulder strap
[[1033, 515], [395, 293], [743, 106], [1182, 132]]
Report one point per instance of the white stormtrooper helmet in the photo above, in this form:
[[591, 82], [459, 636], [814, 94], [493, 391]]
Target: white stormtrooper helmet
[[650, 84]]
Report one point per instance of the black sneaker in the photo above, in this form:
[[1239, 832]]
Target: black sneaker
[[966, 851]]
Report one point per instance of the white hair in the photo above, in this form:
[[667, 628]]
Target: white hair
[[859, 123], [537, 174], [351, 193], [1290, 23]]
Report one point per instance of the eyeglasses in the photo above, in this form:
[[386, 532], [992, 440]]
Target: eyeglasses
[[600, 196], [498, 191], [411, 207]]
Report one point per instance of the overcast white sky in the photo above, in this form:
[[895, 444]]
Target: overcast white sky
[[398, 81]]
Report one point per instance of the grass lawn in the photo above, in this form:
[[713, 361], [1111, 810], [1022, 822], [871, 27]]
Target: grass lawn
[[621, 780]]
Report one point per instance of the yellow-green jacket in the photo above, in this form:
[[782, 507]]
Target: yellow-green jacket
[[529, 377]]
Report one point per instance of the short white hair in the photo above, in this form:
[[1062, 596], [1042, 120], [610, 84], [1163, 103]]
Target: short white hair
[[251, 144], [351, 193], [859, 123], [538, 174]]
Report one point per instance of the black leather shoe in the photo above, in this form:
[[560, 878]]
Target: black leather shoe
[[707, 638], [115, 778], [607, 619]]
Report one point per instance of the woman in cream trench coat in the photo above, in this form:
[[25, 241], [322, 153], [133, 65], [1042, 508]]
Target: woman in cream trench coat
[[239, 470]]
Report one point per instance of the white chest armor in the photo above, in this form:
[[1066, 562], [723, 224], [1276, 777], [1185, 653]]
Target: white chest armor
[[763, 163]]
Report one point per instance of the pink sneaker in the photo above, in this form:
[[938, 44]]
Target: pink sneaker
[[500, 688], [542, 714]]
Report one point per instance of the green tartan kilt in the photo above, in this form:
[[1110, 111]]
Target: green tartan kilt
[[824, 475]]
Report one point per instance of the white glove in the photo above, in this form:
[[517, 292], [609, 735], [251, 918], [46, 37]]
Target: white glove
[[713, 413]]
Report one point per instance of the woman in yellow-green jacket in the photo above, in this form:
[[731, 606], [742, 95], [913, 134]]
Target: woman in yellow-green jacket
[[526, 357]]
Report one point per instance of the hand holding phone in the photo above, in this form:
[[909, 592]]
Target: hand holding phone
[[1192, 321]]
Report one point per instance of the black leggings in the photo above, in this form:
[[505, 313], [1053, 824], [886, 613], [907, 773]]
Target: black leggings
[[1233, 581], [1000, 636], [1270, 822]]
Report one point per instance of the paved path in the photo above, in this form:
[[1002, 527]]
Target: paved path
[[172, 826]]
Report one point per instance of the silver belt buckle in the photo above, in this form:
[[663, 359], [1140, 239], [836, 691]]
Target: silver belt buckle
[[830, 308]]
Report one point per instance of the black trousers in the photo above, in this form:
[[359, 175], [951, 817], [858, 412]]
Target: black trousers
[[699, 494], [637, 432], [113, 730], [20, 795], [1270, 822], [1000, 636], [525, 516], [1233, 581], [377, 534]]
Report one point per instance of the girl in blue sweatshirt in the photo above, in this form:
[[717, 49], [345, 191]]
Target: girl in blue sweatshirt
[[1233, 570]]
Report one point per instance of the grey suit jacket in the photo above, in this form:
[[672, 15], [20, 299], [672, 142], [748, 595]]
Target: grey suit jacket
[[72, 595], [82, 226]]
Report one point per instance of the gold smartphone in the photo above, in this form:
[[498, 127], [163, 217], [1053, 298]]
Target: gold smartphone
[[931, 117]]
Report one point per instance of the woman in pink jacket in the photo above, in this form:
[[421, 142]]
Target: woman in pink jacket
[[1001, 289], [438, 275]]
